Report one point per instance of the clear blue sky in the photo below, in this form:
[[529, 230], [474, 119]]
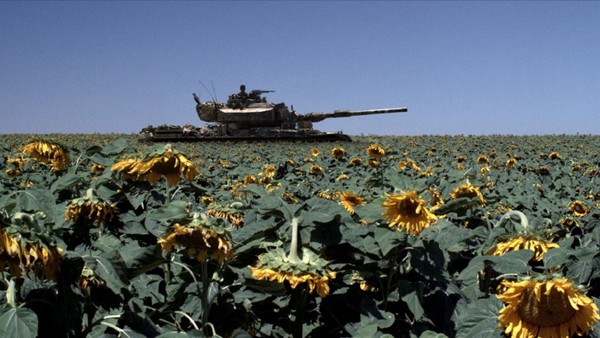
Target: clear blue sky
[[460, 67]]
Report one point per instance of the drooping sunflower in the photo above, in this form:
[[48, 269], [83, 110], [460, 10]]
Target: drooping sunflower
[[407, 211], [578, 208], [554, 156], [511, 162], [548, 308], [375, 151], [269, 171], [469, 191], [48, 152], [338, 152], [90, 207], [529, 242], [356, 161], [161, 162], [315, 170], [342, 177], [310, 269], [20, 255], [373, 163], [200, 238], [482, 159], [349, 200], [230, 213]]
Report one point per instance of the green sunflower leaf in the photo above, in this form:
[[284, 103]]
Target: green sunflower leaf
[[19, 322]]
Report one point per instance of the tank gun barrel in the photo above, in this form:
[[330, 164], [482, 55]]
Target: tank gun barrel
[[316, 117]]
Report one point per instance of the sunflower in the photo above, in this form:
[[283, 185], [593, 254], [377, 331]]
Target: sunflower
[[356, 161], [249, 179], [326, 195], [338, 152], [578, 208], [277, 265], [270, 171], [230, 214], [200, 239], [349, 200], [511, 162], [289, 197], [469, 191], [48, 152], [161, 162], [482, 159], [407, 211], [315, 170], [373, 163], [549, 308], [90, 207], [20, 256], [315, 152], [375, 151], [554, 156], [342, 177], [538, 246]]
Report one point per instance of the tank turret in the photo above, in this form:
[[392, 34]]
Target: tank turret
[[250, 116]]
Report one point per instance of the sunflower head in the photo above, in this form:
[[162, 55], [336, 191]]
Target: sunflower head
[[315, 152], [407, 211], [48, 152], [315, 170], [275, 265], [349, 200], [546, 308], [578, 208], [511, 162], [159, 162], [375, 151], [338, 153], [469, 191], [200, 239], [91, 208], [530, 242]]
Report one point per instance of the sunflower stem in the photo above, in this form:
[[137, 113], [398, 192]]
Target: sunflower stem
[[522, 218], [205, 305], [300, 295], [293, 255]]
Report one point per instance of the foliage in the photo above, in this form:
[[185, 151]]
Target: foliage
[[114, 279]]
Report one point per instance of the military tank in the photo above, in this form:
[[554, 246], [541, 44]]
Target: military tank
[[249, 116]]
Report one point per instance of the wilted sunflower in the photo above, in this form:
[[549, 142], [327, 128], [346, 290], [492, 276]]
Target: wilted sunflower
[[161, 162], [48, 152], [20, 256], [511, 162], [342, 177], [231, 214], [200, 239], [249, 179], [277, 265], [554, 156], [349, 200], [578, 208], [338, 152], [407, 211], [270, 171], [482, 159], [469, 191], [315, 170], [356, 161], [327, 195], [375, 151], [90, 207], [289, 197], [549, 308], [538, 246], [373, 163]]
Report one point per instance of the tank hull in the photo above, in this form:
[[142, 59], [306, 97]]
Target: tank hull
[[206, 134]]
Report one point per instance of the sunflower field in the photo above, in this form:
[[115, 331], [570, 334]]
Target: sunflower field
[[424, 236]]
